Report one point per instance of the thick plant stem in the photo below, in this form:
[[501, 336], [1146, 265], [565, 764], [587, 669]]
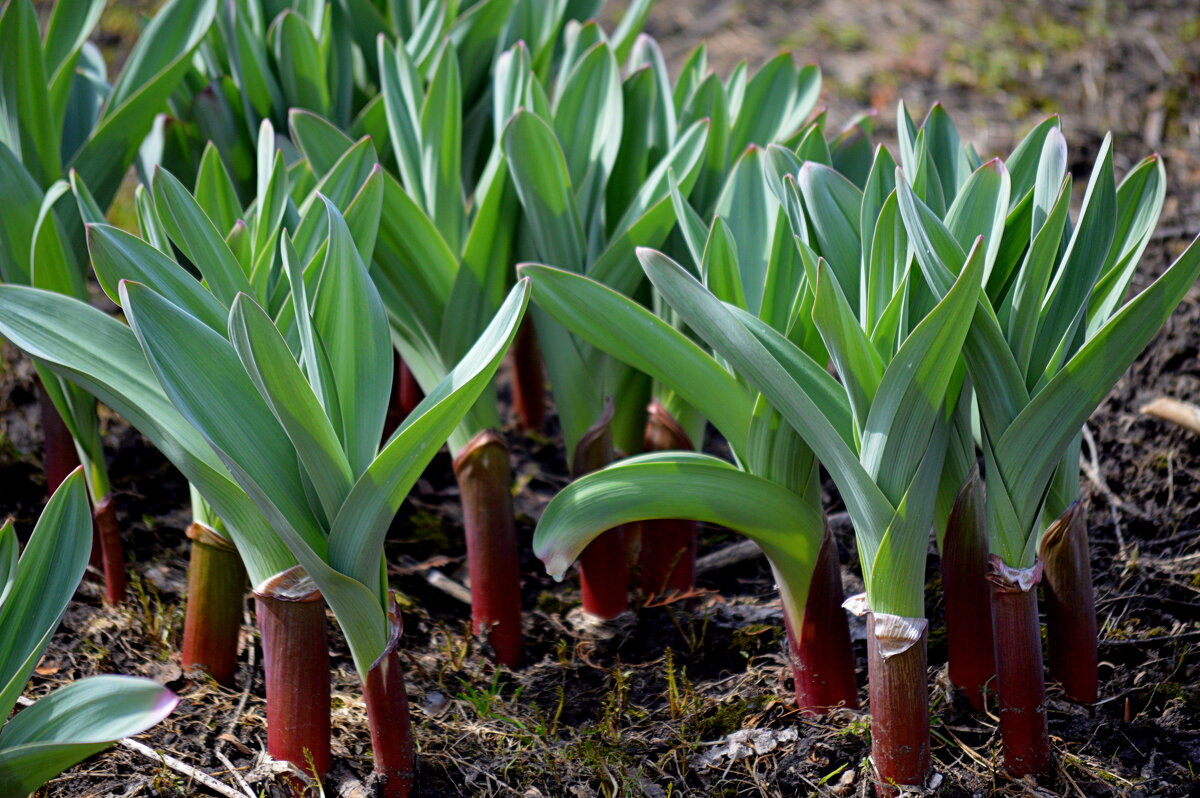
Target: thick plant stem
[[667, 556], [291, 621], [409, 393], [485, 484], [406, 395], [820, 655], [899, 694], [603, 569], [1020, 683], [389, 720], [107, 538], [212, 624], [1070, 605], [967, 594], [60, 455], [529, 379]]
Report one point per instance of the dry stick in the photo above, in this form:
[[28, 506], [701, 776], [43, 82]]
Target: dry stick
[[233, 771], [171, 762], [745, 550], [436, 578]]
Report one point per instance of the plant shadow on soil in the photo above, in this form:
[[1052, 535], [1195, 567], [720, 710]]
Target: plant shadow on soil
[[649, 712]]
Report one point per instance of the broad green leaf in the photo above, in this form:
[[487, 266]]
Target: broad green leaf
[[74, 722], [31, 131], [721, 329], [102, 355], [117, 255], [692, 486], [192, 231], [356, 537], [834, 204], [1030, 448], [350, 319], [47, 574], [301, 67], [201, 374], [441, 149], [155, 66], [858, 363], [277, 376], [540, 174], [634, 335]]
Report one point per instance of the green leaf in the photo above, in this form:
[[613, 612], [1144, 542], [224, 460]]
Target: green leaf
[[403, 98], [25, 103], [912, 399], [192, 231], [47, 574], [858, 363], [1031, 447], [726, 334], [201, 374], [834, 204], [74, 722], [155, 66], [102, 355], [690, 486], [543, 183], [631, 333], [441, 149], [349, 317], [301, 66], [277, 376], [117, 255], [356, 538]]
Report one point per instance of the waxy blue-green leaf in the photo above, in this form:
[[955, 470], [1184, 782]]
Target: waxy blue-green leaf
[[47, 574], [215, 192], [102, 355], [75, 722], [193, 232], [155, 66], [441, 149], [28, 127], [277, 376], [350, 319], [356, 537], [833, 204], [692, 486], [858, 363], [725, 333], [201, 374], [403, 98], [301, 67], [631, 333], [543, 183], [117, 255]]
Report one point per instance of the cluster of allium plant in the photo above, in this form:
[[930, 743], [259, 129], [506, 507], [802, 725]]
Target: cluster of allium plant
[[334, 200], [898, 273]]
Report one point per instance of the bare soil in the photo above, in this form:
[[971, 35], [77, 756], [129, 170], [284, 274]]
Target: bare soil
[[651, 712]]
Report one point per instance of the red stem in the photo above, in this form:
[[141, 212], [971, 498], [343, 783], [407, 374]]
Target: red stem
[[212, 624], [291, 621], [899, 694], [406, 395], [603, 568], [1020, 684], [667, 556], [529, 379], [967, 594], [821, 658], [1070, 605], [390, 723], [60, 456], [485, 484], [112, 554]]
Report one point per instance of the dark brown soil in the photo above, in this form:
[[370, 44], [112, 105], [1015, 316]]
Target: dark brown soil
[[650, 714]]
